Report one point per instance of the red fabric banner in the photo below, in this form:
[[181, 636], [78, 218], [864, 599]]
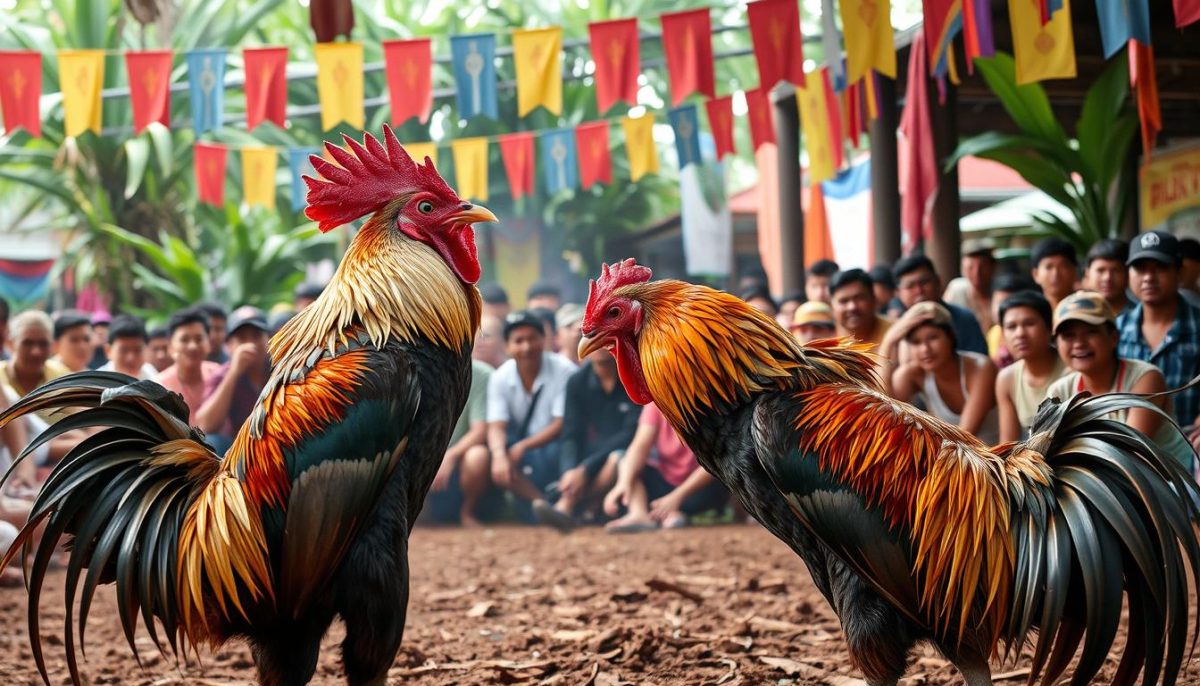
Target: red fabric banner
[[616, 51], [209, 159], [24, 269], [1145, 86], [591, 147], [517, 151], [149, 87], [778, 47], [921, 181], [1186, 12], [266, 85], [720, 122], [762, 123], [409, 65], [20, 89], [852, 119], [687, 44], [837, 136]]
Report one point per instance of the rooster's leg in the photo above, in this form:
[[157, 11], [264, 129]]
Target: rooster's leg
[[288, 656], [971, 664], [878, 638], [373, 603]]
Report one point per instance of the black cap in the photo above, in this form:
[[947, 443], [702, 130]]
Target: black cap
[[247, 316], [1159, 246], [522, 318]]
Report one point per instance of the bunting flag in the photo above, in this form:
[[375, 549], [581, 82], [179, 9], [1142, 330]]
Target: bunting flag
[[921, 177], [851, 109], [409, 66], [870, 44], [206, 77], [537, 57], [149, 74], [258, 176], [340, 84], [1122, 21], [639, 145], [419, 151], [943, 21], [821, 123], [978, 40], [831, 43], [762, 122], [1145, 85], [21, 90], [517, 151], [685, 121], [775, 32], [591, 146], [517, 246], [471, 167], [1186, 12], [474, 58], [720, 122], [559, 160], [266, 86], [1041, 51], [616, 52], [209, 160], [81, 75], [687, 44], [300, 166], [24, 280]]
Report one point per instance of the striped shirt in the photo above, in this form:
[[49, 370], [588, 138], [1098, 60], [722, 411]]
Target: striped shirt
[[1178, 356]]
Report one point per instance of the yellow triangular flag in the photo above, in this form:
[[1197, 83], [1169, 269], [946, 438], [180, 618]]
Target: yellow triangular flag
[[258, 176], [419, 151], [81, 75], [639, 145], [1041, 52], [867, 31], [814, 122], [471, 167], [537, 54], [340, 84]]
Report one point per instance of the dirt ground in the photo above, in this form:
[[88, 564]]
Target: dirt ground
[[726, 605]]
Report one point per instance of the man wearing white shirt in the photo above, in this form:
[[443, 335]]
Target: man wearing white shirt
[[126, 348]]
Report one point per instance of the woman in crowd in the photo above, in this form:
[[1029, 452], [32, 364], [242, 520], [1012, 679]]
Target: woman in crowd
[[1021, 386]]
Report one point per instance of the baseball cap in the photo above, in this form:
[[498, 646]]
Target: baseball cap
[[568, 314], [1159, 246], [522, 318], [978, 246], [813, 313], [927, 312], [1083, 306], [247, 315]]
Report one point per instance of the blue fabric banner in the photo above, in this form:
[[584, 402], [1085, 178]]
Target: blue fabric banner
[[206, 76], [1122, 20], [558, 159], [299, 164], [474, 58], [686, 123]]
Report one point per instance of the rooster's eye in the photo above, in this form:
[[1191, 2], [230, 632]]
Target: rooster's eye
[[614, 312], [424, 207]]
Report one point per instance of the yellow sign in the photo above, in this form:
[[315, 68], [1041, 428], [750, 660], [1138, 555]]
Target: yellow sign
[[1169, 186]]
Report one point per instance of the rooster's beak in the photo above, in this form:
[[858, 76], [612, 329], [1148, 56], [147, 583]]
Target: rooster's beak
[[587, 346], [469, 214]]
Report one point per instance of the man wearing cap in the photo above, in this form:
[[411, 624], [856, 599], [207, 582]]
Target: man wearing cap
[[1163, 328], [973, 290], [568, 321], [855, 308], [918, 281], [241, 379], [813, 321]]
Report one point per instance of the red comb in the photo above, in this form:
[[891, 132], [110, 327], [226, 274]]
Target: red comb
[[613, 277], [370, 177]]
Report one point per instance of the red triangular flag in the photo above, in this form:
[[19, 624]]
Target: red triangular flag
[[1145, 85], [720, 122], [266, 85], [517, 151], [21, 90], [687, 44], [617, 54], [762, 123], [1186, 12], [409, 66], [591, 147], [149, 87], [778, 48], [210, 173]]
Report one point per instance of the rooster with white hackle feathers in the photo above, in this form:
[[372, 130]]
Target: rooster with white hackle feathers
[[307, 517], [913, 529]]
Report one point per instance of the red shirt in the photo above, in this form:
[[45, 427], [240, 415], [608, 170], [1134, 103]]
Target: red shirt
[[194, 396], [672, 458]]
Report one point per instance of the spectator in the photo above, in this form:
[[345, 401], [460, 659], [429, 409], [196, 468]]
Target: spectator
[[1021, 386], [73, 340], [1189, 270], [278, 318], [236, 387], [787, 308], [917, 281], [191, 374], [126, 350], [489, 342], [813, 321], [1105, 273], [495, 301], [1163, 329], [549, 326], [158, 348], [817, 278], [884, 286], [1086, 332], [101, 321], [1055, 268], [1004, 286], [659, 480], [760, 299], [569, 320], [305, 295], [5, 313], [543, 294], [525, 412], [217, 317], [462, 478], [855, 310], [954, 385], [973, 290]]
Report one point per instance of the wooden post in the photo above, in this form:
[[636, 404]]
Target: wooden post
[[885, 175], [945, 247], [791, 216]]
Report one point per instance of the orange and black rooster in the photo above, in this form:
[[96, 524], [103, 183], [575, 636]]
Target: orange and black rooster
[[307, 517], [911, 528]]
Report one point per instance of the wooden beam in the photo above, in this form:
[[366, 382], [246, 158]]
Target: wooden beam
[[791, 217], [885, 175], [944, 247]]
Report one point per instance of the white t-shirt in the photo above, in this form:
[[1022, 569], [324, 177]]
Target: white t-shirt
[[148, 370], [507, 400]]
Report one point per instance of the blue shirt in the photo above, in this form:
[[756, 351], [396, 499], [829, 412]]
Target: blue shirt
[[1178, 356], [966, 329]]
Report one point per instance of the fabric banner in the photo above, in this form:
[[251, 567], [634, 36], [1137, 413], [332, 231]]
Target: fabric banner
[[209, 160], [471, 167], [943, 21], [559, 160], [300, 166], [409, 67], [821, 124], [706, 221], [149, 74], [340, 84], [687, 44], [978, 40], [1186, 12], [21, 90], [518, 250], [1145, 87], [817, 243], [916, 127], [1041, 51], [517, 151], [537, 57], [258, 176], [847, 199], [852, 113], [591, 145], [639, 145], [22, 281], [266, 85], [206, 78], [1122, 21], [474, 58], [770, 251], [720, 122], [870, 43], [419, 151], [831, 43], [762, 120], [81, 75], [616, 52], [685, 121], [778, 48]]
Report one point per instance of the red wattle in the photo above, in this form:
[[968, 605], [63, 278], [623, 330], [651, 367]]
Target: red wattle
[[629, 368]]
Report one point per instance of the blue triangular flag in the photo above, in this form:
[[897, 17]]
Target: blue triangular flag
[[1121, 20], [206, 75], [474, 57], [686, 123], [558, 159], [300, 165]]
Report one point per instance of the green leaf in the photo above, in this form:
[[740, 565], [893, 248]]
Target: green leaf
[[164, 146], [1103, 123], [137, 157], [1027, 104]]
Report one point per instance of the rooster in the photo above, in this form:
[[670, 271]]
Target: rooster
[[307, 517], [913, 529]]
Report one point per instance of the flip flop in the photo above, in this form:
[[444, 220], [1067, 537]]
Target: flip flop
[[546, 514], [632, 528], [677, 522]]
